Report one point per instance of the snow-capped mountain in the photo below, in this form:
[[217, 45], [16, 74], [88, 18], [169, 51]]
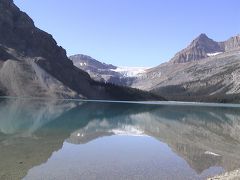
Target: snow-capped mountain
[[107, 72]]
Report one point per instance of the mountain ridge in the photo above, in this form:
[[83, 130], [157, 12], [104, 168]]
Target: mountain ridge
[[103, 72], [208, 72], [211, 79], [33, 65], [203, 47]]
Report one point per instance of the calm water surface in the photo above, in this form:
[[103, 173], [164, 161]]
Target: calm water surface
[[61, 140]]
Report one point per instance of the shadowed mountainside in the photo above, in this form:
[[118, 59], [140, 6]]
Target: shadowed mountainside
[[33, 65]]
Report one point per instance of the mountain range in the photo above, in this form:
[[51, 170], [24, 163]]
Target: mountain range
[[33, 65], [205, 70], [209, 72]]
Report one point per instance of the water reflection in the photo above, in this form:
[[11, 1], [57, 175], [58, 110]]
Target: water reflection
[[30, 131]]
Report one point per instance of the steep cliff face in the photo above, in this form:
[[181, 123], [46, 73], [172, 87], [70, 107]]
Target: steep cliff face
[[32, 64]]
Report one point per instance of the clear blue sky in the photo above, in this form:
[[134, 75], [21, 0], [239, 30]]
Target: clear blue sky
[[132, 32]]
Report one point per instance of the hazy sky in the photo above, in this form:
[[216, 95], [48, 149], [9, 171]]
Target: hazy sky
[[132, 32]]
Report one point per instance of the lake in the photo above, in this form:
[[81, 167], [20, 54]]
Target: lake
[[69, 139]]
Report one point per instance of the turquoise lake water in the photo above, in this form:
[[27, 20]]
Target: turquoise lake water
[[67, 139]]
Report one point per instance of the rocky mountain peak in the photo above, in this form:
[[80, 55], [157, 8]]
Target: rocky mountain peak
[[205, 43], [202, 36], [203, 47], [199, 48], [18, 32], [87, 62]]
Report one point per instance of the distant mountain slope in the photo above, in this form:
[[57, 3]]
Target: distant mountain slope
[[198, 73], [33, 65], [106, 72]]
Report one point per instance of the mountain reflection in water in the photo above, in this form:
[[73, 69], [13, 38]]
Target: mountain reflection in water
[[31, 131]]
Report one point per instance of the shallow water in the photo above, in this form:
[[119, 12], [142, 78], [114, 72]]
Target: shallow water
[[69, 139]]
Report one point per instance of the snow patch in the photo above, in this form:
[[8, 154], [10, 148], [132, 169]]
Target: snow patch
[[128, 131], [213, 54], [82, 64], [130, 71], [211, 153]]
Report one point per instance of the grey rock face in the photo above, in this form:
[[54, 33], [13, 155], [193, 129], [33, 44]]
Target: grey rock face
[[32, 64], [202, 47], [198, 49]]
